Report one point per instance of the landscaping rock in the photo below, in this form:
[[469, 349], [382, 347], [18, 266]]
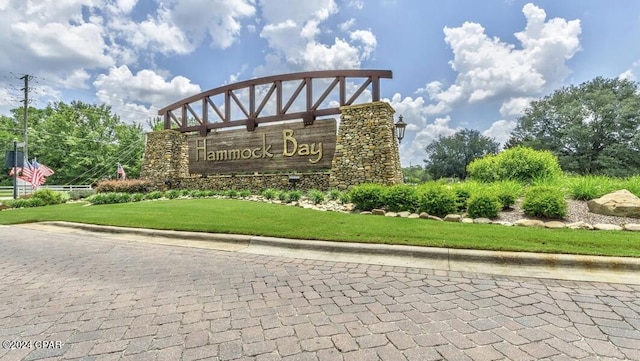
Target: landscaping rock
[[621, 203], [423, 215], [580, 225], [503, 223], [632, 227], [607, 227], [391, 214], [466, 220], [529, 223], [378, 212], [414, 216], [452, 218], [404, 214], [482, 220], [366, 213], [554, 224]]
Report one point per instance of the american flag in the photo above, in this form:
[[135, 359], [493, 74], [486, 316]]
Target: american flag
[[121, 172], [35, 173]]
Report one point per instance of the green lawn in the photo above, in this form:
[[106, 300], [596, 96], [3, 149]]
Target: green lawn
[[254, 218]]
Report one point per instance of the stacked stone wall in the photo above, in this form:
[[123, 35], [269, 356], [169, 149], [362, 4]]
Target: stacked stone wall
[[366, 148], [165, 157], [255, 183]]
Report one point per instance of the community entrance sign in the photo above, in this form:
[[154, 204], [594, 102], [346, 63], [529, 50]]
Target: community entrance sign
[[267, 149]]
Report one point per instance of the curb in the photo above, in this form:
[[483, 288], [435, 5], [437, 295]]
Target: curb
[[621, 269]]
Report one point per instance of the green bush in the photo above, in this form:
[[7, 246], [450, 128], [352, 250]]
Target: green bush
[[185, 192], [137, 197], [24, 203], [334, 194], [315, 196], [197, 193], [110, 198], [210, 193], [541, 201], [231, 193], [154, 195], [294, 196], [344, 198], [172, 194], [519, 164], [590, 186], [436, 199], [401, 197], [463, 191], [244, 193], [47, 196], [81, 194], [125, 186], [484, 205], [507, 191], [368, 196], [269, 193], [283, 196]]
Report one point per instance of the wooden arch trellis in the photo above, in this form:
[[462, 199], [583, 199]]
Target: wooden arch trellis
[[179, 112]]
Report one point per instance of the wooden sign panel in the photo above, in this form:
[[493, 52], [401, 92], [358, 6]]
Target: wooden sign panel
[[283, 147]]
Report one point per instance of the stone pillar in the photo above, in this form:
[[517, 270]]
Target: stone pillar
[[366, 147], [166, 157]]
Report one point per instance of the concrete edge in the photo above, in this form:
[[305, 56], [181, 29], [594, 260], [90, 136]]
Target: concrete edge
[[451, 255]]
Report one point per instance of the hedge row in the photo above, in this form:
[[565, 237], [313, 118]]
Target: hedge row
[[477, 200]]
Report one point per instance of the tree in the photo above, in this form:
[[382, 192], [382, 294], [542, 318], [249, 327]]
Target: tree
[[81, 142], [592, 128], [449, 156], [415, 174]]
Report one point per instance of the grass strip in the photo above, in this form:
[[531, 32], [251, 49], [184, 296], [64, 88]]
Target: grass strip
[[264, 219]]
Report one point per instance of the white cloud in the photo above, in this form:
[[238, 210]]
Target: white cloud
[[500, 130], [146, 86], [515, 107], [630, 74], [293, 31], [490, 69]]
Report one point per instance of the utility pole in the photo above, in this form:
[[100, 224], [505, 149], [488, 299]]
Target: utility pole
[[26, 78]]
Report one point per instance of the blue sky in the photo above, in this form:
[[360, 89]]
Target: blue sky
[[456, 64]]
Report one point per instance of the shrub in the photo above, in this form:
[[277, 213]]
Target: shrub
[[519, 164], [507, 192], [244, 193], [231, 193], [436, 199], [283, 196], [47, 196], [401, 197], [294, 196], [137, 197], [153, 195], [197, 193], [334, 194], [589, 187], [543, 201], [485, 204], [109, 198], [210, 193], [126, 186], [269, 193], [81, 194], [24, 203], [316, 196], [172, 194], [185, 192], [344, 198], [368, 196]]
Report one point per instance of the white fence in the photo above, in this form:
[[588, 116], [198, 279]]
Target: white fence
[[7, 191]]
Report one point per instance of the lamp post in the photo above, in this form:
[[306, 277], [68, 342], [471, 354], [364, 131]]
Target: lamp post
[[400, 128]]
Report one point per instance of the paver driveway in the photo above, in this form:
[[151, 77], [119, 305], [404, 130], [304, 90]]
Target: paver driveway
[[108, 299]]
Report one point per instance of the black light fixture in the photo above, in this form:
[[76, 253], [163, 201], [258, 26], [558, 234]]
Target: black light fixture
[[400, 128]]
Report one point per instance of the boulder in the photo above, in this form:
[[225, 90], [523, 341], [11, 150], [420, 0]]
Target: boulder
[[378, 212], [366, 212], [423, 215], [414, 215], [503, 223], [554, 224], [391, 214], [607, 227], [482, 220], [452, 218], [529, 223], [632, 227], [620, 203], [404, 214], [580, 225], [466, 220]]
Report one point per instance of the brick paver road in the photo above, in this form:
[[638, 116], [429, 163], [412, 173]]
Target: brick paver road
[[112, 299]]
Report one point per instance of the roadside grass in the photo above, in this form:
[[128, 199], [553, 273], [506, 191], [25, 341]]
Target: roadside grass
[[264, 219]]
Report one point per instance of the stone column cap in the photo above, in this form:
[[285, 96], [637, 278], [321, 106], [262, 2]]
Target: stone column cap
[[368, 105]]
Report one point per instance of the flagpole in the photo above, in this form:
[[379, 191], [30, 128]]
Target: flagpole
[[15, 169]]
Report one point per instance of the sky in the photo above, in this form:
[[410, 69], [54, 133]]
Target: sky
[[456, 64]]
